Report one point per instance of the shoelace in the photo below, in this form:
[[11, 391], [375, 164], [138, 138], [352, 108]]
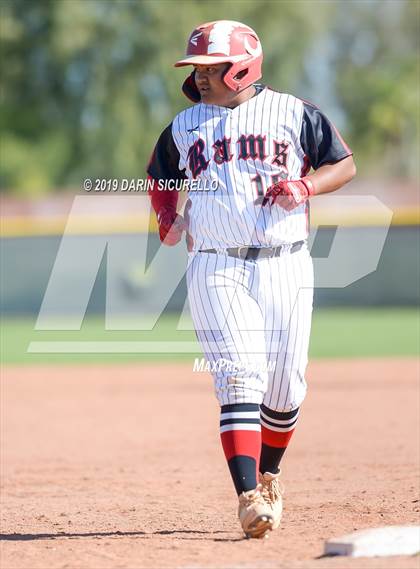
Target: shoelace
[[272, 490], [255, 497]]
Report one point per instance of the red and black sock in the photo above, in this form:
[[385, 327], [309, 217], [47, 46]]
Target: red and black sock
[[240, 433], [276, 431]]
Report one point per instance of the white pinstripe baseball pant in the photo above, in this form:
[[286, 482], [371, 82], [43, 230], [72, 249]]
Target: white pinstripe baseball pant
[[250, 315]]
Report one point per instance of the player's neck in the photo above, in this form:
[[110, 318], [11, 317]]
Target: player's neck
[[243, 96]]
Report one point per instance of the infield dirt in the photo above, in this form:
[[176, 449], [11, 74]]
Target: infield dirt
[[121, 467]]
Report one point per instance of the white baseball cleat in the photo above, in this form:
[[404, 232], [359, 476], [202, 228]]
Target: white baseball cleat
[[255, 514], [272, 491]]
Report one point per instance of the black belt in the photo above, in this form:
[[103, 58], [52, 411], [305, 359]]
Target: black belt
[[253, 253]]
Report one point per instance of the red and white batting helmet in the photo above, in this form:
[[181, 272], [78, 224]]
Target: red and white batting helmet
[[225, 41]]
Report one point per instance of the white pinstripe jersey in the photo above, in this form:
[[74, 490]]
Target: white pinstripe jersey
[[241, 152]]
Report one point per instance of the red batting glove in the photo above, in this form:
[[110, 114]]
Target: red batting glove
[[171, 226], [289, 193]]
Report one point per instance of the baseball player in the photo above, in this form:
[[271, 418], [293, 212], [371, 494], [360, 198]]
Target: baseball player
[[250, 149]]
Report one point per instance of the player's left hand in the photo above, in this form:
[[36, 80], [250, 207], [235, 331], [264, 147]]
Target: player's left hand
[[289, 194]]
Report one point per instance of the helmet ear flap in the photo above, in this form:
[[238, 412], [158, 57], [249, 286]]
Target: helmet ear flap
[[241, 74], [226, 71], [189, 88]]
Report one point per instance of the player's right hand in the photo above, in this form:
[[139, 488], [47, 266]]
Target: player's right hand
[[171, 226]]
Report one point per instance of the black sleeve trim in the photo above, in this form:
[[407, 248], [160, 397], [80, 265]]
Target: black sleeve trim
[[319, 138], [164, 163]]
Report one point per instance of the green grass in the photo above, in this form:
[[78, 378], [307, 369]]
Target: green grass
[[336, 333], [375, 332]]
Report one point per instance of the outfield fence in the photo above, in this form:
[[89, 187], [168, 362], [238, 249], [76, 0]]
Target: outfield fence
[[143, 279]]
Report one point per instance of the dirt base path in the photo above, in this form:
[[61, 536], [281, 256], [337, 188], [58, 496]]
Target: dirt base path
[[121, 467]]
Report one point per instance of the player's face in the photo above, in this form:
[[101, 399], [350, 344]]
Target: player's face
[[213, 91]]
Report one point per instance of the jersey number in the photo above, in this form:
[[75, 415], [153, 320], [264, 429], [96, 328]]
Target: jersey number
[[257, 180]]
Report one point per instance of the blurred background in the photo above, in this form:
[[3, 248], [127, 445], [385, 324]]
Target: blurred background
[[88, 85]]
